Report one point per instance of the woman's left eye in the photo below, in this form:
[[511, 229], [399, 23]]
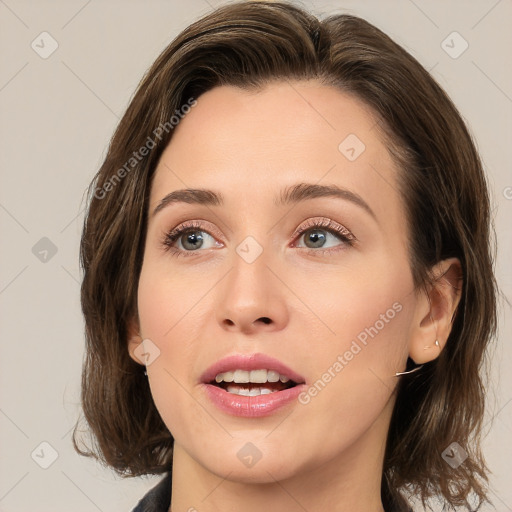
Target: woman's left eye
[[317, 238], [316, 234]]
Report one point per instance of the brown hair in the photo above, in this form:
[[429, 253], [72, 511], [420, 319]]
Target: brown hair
[[249, 44]]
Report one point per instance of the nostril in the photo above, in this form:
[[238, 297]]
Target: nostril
[[264, 319]]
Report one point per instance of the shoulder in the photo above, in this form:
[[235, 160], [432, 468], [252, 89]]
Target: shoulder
[[158, 498]]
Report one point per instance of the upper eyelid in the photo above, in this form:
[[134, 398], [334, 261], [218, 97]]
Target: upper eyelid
[[194, 225], [324, 223]]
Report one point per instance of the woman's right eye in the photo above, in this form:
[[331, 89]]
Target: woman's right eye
[[193, 240], [188, 238]]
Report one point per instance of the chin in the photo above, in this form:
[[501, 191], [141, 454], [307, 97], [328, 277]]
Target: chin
[[244, 463], [263, 472]]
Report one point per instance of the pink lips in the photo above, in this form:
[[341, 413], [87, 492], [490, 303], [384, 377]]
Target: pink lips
[[250, 406]]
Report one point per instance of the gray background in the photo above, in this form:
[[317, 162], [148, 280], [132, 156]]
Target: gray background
[[58, 114]]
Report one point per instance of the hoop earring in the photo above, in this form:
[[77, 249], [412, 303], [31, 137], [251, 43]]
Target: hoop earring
[[408, 372]]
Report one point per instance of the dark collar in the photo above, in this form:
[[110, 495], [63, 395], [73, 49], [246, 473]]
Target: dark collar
[[157, 499]]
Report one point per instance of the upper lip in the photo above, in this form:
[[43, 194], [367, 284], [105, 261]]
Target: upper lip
[[249, 362]]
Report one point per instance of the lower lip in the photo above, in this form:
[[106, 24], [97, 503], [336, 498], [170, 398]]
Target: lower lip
[[252, 406]]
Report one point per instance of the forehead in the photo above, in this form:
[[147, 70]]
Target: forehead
[[252, 143]]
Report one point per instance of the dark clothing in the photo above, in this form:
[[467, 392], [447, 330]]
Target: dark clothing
[[158, 499]]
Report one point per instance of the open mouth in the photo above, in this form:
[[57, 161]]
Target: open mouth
[[253, 382]]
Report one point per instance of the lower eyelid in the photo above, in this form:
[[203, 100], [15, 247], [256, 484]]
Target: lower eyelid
[[342, 245]]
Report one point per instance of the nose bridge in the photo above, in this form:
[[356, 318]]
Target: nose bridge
[[251, 297]]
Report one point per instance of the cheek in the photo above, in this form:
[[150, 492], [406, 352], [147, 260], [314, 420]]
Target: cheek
[[354, 368], [365, 320], [168, 300], [169, 305], [370, 306]]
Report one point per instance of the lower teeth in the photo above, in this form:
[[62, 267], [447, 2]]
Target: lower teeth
[[235, 390]]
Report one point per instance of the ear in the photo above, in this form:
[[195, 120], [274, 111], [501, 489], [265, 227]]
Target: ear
[[134, 340], [435, 311]]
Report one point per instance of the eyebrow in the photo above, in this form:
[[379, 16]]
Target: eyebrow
[[291, 195]]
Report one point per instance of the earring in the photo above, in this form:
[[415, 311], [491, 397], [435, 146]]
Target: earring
[[436, 344], [408, 372], [145, 368]]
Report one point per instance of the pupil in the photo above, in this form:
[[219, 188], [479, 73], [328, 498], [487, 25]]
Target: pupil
[[194, 239], [317, 236]]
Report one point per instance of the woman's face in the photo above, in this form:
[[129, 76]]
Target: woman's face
[[319, 282]]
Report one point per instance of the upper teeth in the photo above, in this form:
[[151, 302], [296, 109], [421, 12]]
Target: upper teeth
[[254, 376]]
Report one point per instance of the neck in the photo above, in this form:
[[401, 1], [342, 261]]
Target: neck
[[348, 482]]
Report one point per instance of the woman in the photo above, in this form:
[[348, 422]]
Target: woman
[[288, 285]]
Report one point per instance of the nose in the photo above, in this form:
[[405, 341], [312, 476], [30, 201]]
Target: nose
[[252, 299]]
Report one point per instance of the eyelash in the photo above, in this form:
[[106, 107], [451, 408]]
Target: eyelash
[[326, 224]]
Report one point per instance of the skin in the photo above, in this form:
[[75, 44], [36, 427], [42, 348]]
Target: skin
[[326, 454]]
